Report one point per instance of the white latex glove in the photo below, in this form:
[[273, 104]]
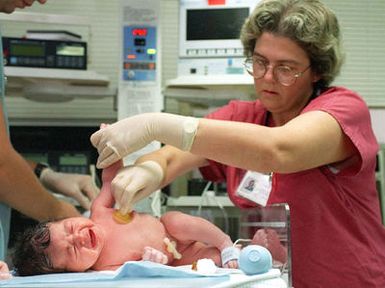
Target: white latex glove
[[131, 134], [133, 183], [153, 255], [78, 186]]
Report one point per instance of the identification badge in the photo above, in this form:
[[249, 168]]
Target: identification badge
[[255, 187]]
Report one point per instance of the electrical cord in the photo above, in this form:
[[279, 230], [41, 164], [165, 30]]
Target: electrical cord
[[202, 197], [205, 195]]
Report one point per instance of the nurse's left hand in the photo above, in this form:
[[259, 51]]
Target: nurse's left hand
[[77, 186], [133, 133], [4, 271]]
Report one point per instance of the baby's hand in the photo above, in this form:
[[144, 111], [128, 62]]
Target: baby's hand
[[231, 264], [4, 271], [230, 256], [153, 255]]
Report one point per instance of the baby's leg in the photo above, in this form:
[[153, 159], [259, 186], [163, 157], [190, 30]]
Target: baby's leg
[[269, 239]]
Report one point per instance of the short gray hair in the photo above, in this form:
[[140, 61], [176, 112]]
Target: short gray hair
[[309, 23]]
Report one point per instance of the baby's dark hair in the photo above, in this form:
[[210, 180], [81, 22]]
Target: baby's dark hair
[[29, 256]]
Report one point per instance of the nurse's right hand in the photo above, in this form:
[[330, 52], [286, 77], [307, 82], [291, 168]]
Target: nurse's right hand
[[134, 183]]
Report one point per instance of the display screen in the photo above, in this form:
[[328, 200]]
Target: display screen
[[140, 42], [36, 157], [73, 159], [139, 65], [139, 32], [35, 50], [215, 24], [70, 50]]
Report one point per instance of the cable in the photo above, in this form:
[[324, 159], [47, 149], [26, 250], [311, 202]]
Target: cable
[[199, 213], [206, 196], [241, 240], [225, 215]]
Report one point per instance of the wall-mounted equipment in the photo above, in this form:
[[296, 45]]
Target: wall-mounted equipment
[[209, 36], [44, 53], [139, 53]]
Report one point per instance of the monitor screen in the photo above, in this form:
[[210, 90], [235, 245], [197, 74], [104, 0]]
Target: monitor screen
[[215, 24]]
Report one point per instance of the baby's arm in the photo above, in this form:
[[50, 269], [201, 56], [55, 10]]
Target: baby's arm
[[105, 198], [4, 271], [186, 228]]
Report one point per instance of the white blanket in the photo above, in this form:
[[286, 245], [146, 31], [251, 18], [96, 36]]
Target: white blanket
[[138, 274]]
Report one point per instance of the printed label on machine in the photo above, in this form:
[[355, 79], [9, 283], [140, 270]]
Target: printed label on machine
[[255, 187]]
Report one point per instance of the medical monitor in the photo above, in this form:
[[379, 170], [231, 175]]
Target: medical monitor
[[218, 24], [212, 30]]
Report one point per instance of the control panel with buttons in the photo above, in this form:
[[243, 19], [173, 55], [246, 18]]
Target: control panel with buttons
[[139, 53], [44, 53]]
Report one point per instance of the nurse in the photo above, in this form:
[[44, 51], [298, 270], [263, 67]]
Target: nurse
[[314, 138], [19, 187]]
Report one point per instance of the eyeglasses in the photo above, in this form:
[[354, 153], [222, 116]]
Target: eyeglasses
[[282, 73]]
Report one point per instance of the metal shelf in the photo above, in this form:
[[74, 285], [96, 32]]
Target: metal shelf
[[33, 17], [56, 85], [195, 201], [69, 76], [212, 90], [211, 81]]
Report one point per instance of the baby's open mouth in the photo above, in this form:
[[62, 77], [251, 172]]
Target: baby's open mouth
[[92, 238]]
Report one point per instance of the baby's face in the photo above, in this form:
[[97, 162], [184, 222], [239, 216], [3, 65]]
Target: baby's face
[[75, 244]]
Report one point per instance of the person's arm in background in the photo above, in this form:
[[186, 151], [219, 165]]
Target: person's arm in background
[[77, 186], [8, 6], [20, 189]]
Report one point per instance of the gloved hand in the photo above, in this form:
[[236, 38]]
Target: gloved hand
[[77, 186], [133, 183], [131, 134]]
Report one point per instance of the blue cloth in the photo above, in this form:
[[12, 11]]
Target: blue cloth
[[5, 211], [130, 269]]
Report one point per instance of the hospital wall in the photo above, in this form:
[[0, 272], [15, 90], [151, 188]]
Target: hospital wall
[[363, 28]]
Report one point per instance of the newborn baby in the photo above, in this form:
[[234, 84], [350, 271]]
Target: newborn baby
[[100, 243]]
